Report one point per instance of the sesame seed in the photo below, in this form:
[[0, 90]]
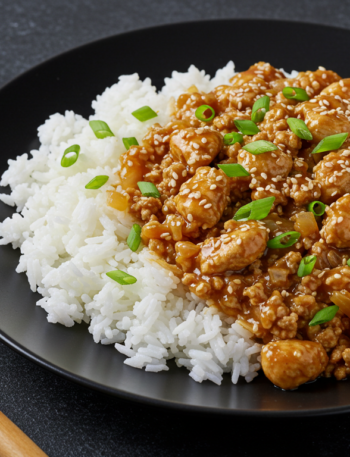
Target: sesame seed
[[340, 219], [202, 202], [204, 140], [130, 163], [219, 178], [229, 289], [264, 175], [186, 191], [237, 281], [184, 173], [337, 276], [209, 205], [175, 175], [190, 217], [239, 241]]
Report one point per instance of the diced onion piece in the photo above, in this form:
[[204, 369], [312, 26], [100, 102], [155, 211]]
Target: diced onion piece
[[306, 225], [342, 299], [117, 200]]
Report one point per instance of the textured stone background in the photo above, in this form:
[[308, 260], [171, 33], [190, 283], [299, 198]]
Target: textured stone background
[[65, 419]]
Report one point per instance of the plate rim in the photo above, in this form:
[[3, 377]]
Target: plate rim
[[117, 392]]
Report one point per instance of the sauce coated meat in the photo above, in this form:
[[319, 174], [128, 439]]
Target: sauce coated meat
[[197, 229]]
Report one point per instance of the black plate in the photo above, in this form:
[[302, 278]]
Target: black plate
[[71, 81]]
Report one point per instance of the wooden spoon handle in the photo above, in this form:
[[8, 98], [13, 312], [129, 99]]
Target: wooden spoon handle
[[14, 443]]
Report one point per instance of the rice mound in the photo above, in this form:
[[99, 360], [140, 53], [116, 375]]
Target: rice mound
[[69, 238]]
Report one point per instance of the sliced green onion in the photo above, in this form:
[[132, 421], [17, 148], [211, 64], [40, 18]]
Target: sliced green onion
[[325, 315], [121, 277], [97, 182], [257, 209], [295, 93], [259, 147], [299, 127], [319, 210], [100, 129], [70, 156], [202, 115], [232, 138], [306, 265], [233, 170], [260, 108], [276, 242], [330, 143], [348, 263], [128, 142], [134, 238], [148, 189], [144, 113], [246, 127]]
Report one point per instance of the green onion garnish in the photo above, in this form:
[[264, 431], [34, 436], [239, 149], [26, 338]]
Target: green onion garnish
[[128, 142], [144, 113], [319, 210], [97, 182], [330, 143], [246, 127], [348, 263], [276, 243], [259, 147], [134, 238], [201, 113], [295, 93], [148, 189], [232, 138], [306, 265], [70, 156], [257, 209], [260, 108], [299, 127], [233, 170], [100, 129], [121, 277], [325, 315]]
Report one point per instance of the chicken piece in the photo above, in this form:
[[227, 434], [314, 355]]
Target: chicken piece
[[319, 104], [243, 243], [326, 123], [261, 69], [336, 228], [302, 189], [246, 87], [264, 167], [315, 81], [225, 122], [333, 173], [187, 104], [290, 363], [133, 166], [339, 89], [195, 147], [156, 141], [203, 198], [337, 279], [268, 171], [173, 178]]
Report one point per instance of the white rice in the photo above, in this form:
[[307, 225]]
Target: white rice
[[69, 238]]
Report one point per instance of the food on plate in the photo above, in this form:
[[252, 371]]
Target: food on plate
[[207, 222]]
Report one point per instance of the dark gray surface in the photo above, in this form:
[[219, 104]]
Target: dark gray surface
[[65, 419]]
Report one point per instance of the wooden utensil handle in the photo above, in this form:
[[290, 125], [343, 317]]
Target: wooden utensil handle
[[14, 443]]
